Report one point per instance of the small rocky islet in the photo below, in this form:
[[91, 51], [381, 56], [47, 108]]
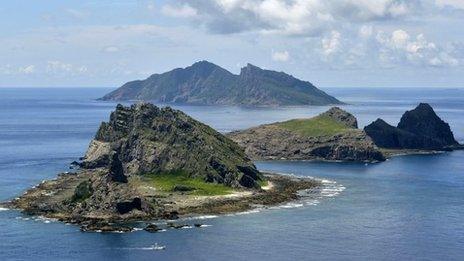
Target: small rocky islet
[[148, 163]]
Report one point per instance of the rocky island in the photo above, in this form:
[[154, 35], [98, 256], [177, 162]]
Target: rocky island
[[333, 135], [149, 163], [205, 83], [418, 130]]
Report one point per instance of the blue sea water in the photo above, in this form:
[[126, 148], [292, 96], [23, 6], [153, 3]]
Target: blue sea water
[[408, 208]]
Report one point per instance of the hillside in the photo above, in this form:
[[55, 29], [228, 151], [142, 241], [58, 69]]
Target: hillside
[[205, 83], [333, 135]]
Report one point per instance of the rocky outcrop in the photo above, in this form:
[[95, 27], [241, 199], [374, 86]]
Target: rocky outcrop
[[341, 116], [420, 129], [207, 83], [146, 139], [275, 141]]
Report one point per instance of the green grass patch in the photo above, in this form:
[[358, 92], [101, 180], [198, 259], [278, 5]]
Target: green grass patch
[[167, 181], [317, 126], [263, 183]]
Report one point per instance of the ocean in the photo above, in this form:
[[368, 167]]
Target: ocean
[[407, 208]]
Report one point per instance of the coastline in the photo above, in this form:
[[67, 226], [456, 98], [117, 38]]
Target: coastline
[[280, 189]]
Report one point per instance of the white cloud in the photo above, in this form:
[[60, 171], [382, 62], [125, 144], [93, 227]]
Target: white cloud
[[283, 56], [400, 46], [61, 68], [27, 69], [151, 6], [78, 14], [111, 49], [365, 31], [331, 44], [182, 11], [295, 17], [459, 4]]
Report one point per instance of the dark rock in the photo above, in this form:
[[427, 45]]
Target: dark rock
[[176, 226], [198, 225], [207, 83], [152, 228], [127, 206], [75, 163], [420, 128], [423, 121], [182, 188], [104, 227], [117, 170], [172, 215]]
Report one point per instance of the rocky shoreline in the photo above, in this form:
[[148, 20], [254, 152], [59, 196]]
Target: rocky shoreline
[[284, 189]]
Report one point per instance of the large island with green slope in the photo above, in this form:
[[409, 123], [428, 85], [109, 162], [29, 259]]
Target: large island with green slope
[[149, 163], [205, 83]]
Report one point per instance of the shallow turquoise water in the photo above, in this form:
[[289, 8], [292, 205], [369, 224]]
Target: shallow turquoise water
[[409, 207]]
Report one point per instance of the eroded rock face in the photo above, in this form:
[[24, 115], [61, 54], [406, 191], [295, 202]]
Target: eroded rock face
[[270, 141], [342, 116], [420, 128], [146, 139]]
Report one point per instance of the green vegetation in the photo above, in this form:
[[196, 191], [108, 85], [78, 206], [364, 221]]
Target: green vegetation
[[317, 126], [180, 181], [263, 183], [82, 192]]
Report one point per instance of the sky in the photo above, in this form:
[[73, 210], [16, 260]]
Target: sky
[[331, 43]]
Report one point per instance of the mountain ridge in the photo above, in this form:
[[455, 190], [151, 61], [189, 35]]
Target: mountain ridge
[[205, 83]]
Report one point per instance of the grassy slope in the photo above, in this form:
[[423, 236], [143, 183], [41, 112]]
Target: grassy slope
[[317, 126], [166, 182]]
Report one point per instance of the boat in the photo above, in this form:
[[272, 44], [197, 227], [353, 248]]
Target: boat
[[158, 247]]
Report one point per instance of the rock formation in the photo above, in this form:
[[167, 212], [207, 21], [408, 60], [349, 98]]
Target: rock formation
[[146, 139], [333, 135], [207, 83], [420, 128]]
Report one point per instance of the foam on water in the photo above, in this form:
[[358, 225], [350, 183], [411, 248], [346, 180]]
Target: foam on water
[[3, 209]]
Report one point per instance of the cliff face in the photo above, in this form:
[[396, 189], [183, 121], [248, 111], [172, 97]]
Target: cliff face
[[420, 128], [207, 83], [146, 139], [329, 136]]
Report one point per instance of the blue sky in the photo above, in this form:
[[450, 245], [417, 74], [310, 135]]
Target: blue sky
[[331, 43]]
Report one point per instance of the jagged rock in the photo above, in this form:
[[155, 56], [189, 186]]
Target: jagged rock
[[152, 228], [116, 169], [420, 128], [125, 207], [207, 83], [342, 116], [146, 139], [342, 142]]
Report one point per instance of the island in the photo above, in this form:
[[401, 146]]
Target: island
[[332, 135], [205, 83], [419, 130], [148, 163]]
